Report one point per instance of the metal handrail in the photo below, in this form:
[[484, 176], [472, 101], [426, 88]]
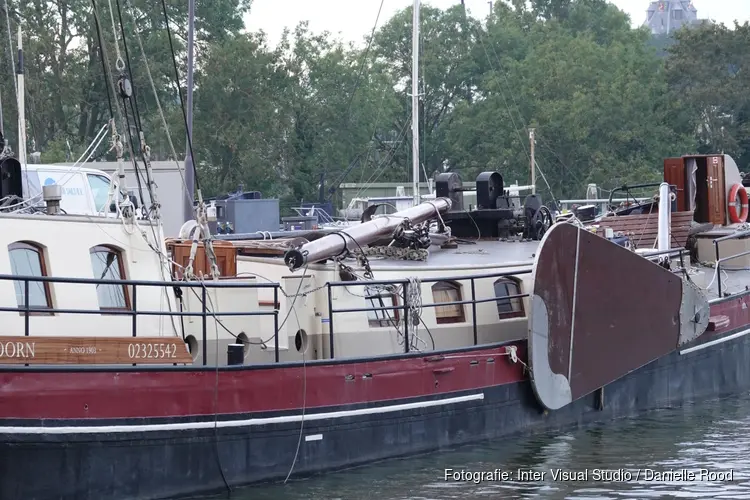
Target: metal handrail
[[734, 236], [134, 312], [405, 307]]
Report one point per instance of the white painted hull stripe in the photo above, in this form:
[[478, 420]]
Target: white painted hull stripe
[[715, 342], [109, 429]]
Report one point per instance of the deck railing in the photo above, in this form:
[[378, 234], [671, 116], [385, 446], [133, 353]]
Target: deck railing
[[719, 260], [134, 312], [404, 307]]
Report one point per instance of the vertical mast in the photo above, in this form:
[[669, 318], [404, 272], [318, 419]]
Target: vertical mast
[[415, 103], [189, 173], [21, 105], [533, 161]]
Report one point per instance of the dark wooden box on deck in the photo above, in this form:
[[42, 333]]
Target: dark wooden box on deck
[[226, 258]]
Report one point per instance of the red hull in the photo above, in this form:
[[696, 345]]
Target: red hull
[[72, 393], [730, 314], [173, 392]]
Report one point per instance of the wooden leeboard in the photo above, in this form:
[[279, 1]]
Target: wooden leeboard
[[602, 315], [93, 350]]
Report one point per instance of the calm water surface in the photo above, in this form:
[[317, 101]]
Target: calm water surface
[[713, 435]]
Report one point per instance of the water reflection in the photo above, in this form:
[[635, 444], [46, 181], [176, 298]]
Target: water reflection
[[712, 436]]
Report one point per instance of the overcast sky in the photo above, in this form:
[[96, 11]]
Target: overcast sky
[[352, 20]]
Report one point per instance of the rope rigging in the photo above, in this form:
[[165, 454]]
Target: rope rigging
[[123, 204], [200, 212]]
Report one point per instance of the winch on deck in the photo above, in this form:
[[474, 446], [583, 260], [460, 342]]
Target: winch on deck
[[497, 214]]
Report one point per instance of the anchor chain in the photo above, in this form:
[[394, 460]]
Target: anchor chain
[[392, 253]]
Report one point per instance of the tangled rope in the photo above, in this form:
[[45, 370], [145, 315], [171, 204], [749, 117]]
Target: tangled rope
[[414, 304]]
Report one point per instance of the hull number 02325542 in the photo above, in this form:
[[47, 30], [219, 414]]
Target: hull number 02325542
[[152, 351]]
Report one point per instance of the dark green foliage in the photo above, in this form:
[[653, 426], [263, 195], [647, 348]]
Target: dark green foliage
[[608, 102]]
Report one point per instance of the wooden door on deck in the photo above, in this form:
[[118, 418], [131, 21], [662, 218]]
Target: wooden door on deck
[[674, 174], [717, 204]]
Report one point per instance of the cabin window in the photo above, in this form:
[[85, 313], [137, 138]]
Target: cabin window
[[380, 297], [448, 291], [27, 259], [508, 307], [107, 264], [100, 191]]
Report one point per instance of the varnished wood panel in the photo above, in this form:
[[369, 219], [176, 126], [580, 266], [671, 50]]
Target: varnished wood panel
[[675, 175], [93, 350], [717, 203], [643, 228], [226, 258]]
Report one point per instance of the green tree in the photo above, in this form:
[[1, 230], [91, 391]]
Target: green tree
[[590, 85], [341, 105], [450, 70], [707, 70]]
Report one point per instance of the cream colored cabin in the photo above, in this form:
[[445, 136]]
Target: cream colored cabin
[[304, 317], [79, 247], [63, 246]]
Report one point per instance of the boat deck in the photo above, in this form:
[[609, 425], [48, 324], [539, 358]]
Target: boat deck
[[483, 253], [732, 281], [509, 254]]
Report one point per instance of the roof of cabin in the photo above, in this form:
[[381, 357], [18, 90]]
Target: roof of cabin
[[484, 253]]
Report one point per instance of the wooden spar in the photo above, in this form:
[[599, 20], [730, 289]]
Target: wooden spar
[[362, 234]]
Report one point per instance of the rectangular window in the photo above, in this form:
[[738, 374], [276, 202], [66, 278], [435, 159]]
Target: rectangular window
[[99, 186]]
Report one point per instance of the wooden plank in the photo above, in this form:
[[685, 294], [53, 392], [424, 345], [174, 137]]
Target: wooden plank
[[675, 174], [93, 350], [643, 229], [718, 322]]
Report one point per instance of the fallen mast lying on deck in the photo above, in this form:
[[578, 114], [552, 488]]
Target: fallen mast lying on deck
[[362, 234]]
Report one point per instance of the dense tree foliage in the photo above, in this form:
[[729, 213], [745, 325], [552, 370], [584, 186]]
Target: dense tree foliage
[[608, 102]]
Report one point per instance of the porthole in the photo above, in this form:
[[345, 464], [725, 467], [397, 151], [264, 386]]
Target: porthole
[[242, 339], [192, 345], [300, 341]]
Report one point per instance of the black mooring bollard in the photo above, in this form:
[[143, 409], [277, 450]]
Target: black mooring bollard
[[235, 354]]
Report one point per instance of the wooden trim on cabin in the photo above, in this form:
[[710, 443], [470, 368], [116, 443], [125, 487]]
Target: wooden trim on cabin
[[93, 350], [121, 269], [41, 255]]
